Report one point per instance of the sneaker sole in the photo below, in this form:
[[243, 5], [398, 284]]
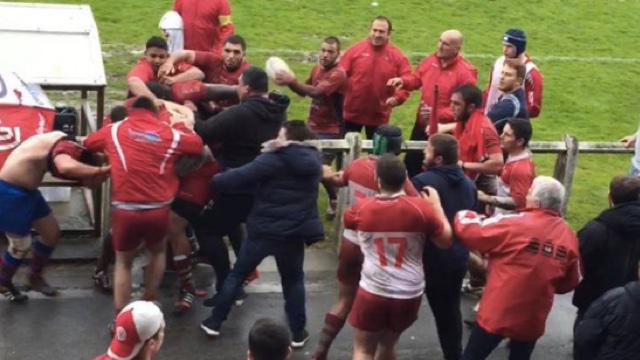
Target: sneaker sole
[[209, 332], [299, 344]]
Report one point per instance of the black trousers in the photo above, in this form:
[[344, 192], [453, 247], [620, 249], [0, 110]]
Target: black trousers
[[482, 343], [413, 160], [442, 289], [225, 218]]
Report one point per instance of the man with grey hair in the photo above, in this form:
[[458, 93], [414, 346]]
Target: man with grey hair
[[532, 256]]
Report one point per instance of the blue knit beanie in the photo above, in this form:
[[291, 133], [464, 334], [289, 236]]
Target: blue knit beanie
[[517, 38]]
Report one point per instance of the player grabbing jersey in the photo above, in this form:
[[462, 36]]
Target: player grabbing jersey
[[392, 229]]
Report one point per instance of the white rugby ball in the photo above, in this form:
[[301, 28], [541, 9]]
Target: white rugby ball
[[275, 65]]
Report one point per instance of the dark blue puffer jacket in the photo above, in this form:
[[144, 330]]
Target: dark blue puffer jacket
[[610, 330], [285, 205]]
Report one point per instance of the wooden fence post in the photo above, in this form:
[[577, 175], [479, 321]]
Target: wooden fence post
[[565, 168], [355, 148]]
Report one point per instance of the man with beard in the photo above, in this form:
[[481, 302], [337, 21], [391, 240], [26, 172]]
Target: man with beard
[[444, 269], [514, 45], [325, 86], [438, 75], [369, 65], [223, 69], [480, 153]]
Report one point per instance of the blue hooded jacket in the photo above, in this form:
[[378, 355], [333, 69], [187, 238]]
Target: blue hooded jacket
[[287, 175], [457, 192]]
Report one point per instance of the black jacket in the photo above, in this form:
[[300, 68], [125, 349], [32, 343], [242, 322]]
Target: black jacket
[[235, 135], [285, 204], [609, 252], [610, 330], [457, 192]]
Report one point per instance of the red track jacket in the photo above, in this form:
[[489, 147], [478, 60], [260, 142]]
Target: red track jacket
[[202, 28], [368, 70], [142, 151], [430, 75], [532, 256]]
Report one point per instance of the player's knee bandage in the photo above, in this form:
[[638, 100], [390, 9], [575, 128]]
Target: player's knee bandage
[[19, 246]]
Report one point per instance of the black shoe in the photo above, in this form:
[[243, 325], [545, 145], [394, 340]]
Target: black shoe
[[39, 284], [300, 339], [102, 282], [210, 327], [12, 294]]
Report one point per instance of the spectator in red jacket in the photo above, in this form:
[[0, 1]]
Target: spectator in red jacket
[[207, 23], [369, 65], [514, 45], [533, 255], [438, 75], [142, 152]]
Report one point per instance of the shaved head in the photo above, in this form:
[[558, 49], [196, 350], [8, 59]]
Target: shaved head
[[450, 44], [454, 36]]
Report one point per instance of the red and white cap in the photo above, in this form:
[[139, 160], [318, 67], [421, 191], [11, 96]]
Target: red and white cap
[[135, 324]]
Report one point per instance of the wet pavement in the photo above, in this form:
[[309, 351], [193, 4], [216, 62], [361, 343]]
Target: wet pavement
[[74, 324]]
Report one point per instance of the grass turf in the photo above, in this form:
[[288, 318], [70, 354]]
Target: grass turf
[[586, 50]]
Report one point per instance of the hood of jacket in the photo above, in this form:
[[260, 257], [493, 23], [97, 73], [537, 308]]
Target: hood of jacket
[[271, 108], [623, 218], [300, 157], [453, 174]]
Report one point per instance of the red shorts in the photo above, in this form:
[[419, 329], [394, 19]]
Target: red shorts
[[375, 313], [349, 263], [130, 228]]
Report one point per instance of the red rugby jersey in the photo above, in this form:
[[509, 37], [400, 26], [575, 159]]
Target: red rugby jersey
[[360, 176], [325, 113], [391, 231], [516, 178], [194, 187]]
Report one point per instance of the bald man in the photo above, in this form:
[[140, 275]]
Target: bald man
[[437, 75]]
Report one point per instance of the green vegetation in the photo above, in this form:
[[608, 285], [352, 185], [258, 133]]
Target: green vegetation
[[586, 50]]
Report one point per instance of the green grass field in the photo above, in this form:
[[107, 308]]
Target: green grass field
[[587, 51]]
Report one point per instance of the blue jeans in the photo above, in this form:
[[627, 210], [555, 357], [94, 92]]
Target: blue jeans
[[289, 259], [482, 343]]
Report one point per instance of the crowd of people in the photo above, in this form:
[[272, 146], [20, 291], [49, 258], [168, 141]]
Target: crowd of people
[[201, 151]]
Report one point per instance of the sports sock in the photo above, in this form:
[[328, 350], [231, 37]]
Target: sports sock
[[8, 268], [332, 326], [183, 265], [41, 254]]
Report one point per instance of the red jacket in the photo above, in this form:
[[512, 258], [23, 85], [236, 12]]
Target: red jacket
[[430, 75], [532, 256], [202, 28], [142, 151], [368, 69]]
